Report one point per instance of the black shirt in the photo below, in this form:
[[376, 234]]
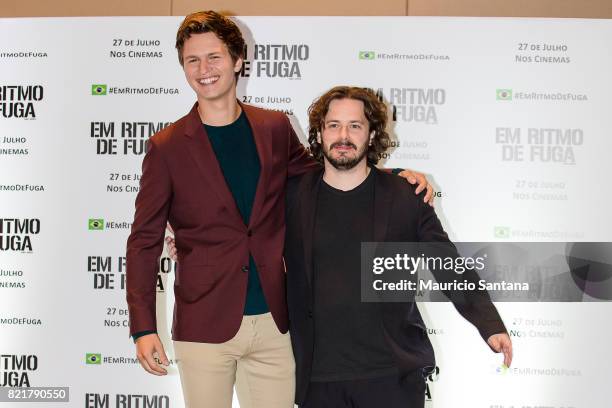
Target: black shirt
[[349, 342]]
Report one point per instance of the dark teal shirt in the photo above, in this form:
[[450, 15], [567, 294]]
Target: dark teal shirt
[[236, 153]]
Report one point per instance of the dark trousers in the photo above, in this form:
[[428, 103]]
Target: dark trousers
[[387, 392]]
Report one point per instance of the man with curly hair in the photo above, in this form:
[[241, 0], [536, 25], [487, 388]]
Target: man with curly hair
[[350, 353]]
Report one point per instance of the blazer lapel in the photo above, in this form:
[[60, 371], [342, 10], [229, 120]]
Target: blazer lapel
[[307, 196], [383, 197], [201, 151], [263, 143]]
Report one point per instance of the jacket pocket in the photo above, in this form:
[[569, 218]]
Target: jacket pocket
[[192, 282]]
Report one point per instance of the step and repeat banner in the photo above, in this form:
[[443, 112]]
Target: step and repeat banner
[[509, 118]]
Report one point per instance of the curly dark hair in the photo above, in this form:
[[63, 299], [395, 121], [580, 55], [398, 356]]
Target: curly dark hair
[[211, 22], [375, 111]]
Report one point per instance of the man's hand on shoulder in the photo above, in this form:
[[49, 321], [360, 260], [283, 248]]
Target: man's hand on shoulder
[[146, 347], [501, 343], [414, 177]]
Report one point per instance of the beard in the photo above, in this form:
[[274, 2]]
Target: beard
[[344, 162]]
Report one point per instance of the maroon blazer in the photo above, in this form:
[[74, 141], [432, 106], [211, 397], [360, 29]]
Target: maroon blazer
[[182, 183]]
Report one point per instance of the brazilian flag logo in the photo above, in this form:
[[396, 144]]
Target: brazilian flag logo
[[503, 369], [367, 55], [95, 224], [504, 94], [93, 358], [98, 89], [502, 232]]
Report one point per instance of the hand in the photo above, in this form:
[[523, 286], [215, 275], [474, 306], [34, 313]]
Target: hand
[[501, 342], [170, 244], [146, 347], [413, 177]]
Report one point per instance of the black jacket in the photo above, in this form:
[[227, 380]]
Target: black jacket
[[400, 216]]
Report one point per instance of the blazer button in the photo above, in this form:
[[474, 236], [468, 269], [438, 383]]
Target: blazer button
[[245, 268], [310, 314], [249, 233]]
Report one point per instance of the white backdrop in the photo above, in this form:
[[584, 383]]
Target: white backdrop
[[510, 119]]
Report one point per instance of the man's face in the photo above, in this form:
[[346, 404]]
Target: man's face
[[345, 134], [208, 66]]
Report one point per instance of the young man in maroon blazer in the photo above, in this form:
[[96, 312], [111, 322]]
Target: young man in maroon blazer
[[218, 176]]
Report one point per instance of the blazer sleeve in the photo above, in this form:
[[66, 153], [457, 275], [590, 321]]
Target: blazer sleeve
[[477, 308], [300, 160], [145, 243]]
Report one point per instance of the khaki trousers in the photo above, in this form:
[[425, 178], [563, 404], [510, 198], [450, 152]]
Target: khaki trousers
[[258, 359]]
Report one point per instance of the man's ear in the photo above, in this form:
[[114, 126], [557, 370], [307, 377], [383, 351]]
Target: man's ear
[[238, 65]]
